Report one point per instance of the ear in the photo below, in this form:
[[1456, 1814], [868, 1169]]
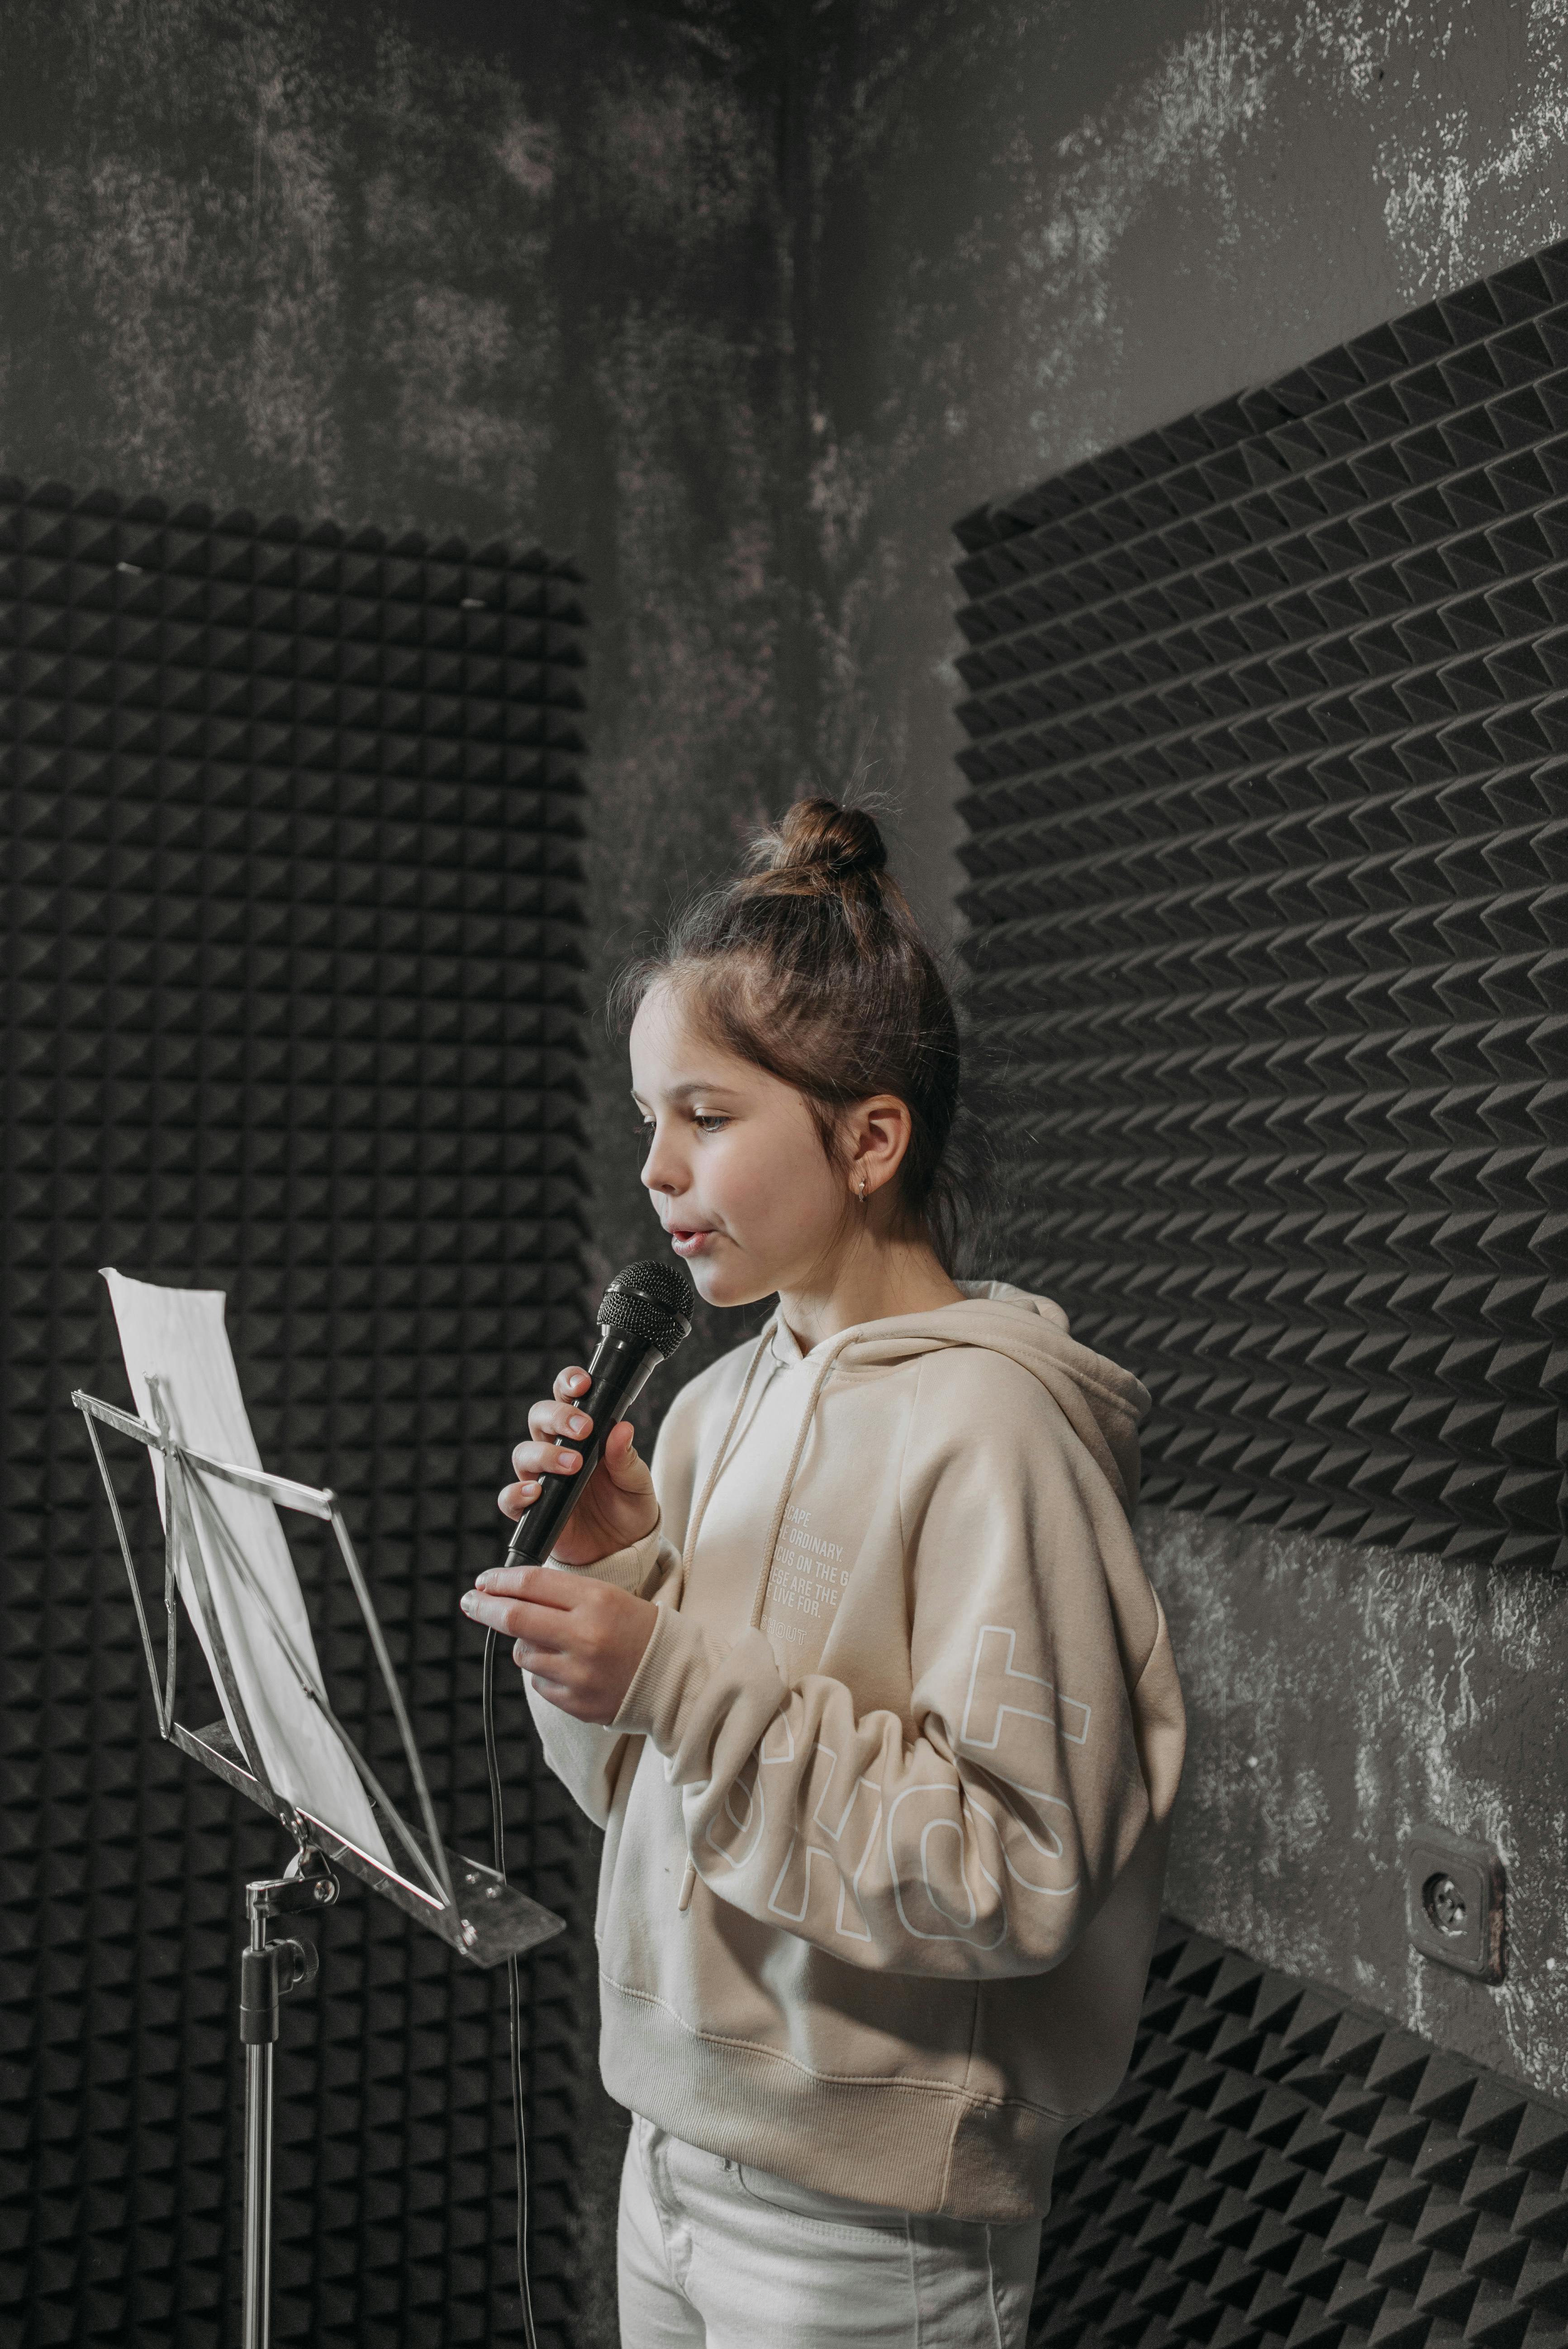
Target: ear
[[877, 1138]]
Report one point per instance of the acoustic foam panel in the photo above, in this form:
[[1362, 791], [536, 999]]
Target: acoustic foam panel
[[1281, 2170], [291, 938], [1268, 847]]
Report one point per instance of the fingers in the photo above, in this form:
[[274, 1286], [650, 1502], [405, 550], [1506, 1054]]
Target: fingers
[[540, 1585], [513, 1499], [556, 1691], [552, 1611], [561, 1421], [540, 1628], [533, 1460], [625, 1468], [565, 1699], [555, 1428]]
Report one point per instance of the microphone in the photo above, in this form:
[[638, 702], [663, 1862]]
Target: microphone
[[643, 1316]]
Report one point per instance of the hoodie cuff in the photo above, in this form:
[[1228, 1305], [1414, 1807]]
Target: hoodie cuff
[[624, 1569], [674, 1668]]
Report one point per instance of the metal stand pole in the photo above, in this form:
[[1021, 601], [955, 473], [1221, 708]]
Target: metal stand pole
[[258, 2324], [268, 1972]]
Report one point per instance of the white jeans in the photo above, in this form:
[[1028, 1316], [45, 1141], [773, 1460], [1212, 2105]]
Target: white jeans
[[716, 2256]]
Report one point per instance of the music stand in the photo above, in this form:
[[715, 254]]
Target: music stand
[[471, 1907]]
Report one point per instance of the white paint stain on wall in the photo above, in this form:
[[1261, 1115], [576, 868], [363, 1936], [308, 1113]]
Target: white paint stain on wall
[[1451, 175], [1187, 123], [1364, 153]]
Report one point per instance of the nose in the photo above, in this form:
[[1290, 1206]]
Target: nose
[[660, 1169]]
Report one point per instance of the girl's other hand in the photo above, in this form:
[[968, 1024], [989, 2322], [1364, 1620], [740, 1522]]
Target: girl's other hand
[[579, 1641], [618, 1507]]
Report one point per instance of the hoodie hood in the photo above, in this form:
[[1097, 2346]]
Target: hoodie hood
[[1104, 1405]]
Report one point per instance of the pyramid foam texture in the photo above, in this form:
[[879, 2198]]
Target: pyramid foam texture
[[292, 946], [1281, 2170], [1267, 802]]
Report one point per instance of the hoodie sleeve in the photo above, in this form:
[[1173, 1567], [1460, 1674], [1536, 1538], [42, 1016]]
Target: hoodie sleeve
[[979, 1836]]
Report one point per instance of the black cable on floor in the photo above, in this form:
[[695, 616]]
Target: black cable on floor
[[513, 2001]]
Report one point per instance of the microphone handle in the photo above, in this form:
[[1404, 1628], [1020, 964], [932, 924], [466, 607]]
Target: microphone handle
[[617, 1373]]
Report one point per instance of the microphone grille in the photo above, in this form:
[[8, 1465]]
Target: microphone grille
[[653, 1302]]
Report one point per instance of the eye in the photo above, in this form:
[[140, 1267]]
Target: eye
[[709, 1121]]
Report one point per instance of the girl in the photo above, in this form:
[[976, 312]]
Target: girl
[[863, 1680]]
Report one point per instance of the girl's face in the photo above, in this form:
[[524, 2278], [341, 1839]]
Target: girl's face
[[735, 1164]]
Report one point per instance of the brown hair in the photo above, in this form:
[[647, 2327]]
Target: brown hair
[[813, 967]]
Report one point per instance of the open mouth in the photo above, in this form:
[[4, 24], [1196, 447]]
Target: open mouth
[[687, 1240]]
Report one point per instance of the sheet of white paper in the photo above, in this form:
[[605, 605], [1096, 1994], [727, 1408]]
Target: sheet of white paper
[[177, 1337]]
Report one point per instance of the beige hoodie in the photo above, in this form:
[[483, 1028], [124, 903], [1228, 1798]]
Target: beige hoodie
[[887, 1801]]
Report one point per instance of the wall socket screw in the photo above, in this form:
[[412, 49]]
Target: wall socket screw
[[1455, 1895]]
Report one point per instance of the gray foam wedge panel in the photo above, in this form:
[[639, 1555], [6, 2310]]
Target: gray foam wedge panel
[[1267, 800], [1281, 2170], [292, 925]]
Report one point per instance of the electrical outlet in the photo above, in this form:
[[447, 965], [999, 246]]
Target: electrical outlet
[[1455, 1902]]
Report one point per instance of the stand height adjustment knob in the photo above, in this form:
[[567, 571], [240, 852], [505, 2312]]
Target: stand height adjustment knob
[[267, 1975]]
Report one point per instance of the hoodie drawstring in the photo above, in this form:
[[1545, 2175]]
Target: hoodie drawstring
[[700, 1511], [759, 1603], [689, 1874]]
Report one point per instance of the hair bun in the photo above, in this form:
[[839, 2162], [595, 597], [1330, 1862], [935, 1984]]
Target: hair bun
[[841, 844]]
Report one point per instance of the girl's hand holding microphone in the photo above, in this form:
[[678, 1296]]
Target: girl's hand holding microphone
[[618, 1507], [579, 1640]]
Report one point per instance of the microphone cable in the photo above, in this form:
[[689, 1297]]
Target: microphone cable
[[644, 1315], [514, 2001]]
